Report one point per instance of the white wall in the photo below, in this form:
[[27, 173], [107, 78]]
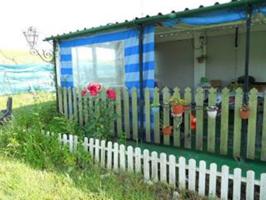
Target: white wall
[[175, 63], [227, 63], [175, 60]]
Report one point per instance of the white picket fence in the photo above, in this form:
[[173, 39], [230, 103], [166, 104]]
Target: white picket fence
[[178, 173]]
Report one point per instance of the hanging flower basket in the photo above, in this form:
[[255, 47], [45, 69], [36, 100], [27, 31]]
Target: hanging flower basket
[[167, 130], [212, 111], [244, 112], [177, 110]]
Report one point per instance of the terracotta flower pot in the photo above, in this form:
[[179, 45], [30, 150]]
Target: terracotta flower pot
[[244, 114], [177, 110], [167, 130]]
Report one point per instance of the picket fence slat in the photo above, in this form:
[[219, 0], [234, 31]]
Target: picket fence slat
[[137, 160], [147, 115], [75, 104], [126, 112], [60, 100], [212, 180], [177, 122], [224, 121], [80, 108], [202, 177], [182, 173], [251, 134], [237, 123], [103, 143], [130, 164], [250, 185], [224, 182], [115, 162], [109, 155], [188, 98], [65, 102], [211, 122], [172, 170], [91, 147], [166, 114], [156, 114], [199, 98], [237, 184], [163, 169], [122, 156], [154, 166], [263, 187], [97, 150], [70, 102], [146, 164], [86, 109], [192, 175], [118, 108], [134, 113]]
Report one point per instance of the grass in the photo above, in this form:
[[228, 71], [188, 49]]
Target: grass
[[20, 181], [37, 167]]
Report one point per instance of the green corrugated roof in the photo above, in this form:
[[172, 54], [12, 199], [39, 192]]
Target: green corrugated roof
[[153, 19]]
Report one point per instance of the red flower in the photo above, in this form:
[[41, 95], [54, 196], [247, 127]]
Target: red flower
[[111, 94], [94, 89], [84, 92], [193, 122]]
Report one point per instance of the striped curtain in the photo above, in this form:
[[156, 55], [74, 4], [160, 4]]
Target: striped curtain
[[132, 60], [130, 38]]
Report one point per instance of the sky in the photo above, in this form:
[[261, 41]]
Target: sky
[[52, 17]]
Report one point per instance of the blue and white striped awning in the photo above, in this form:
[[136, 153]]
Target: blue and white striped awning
[[131, 55]]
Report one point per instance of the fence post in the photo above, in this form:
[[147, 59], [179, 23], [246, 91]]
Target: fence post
[[118, 109], [135, 113], [126, 112], [199, 98], [166, 114], [211, 122], [65, 102], [188, 98], [70, 103], [156, 101], [224, 121], [176, 128], [237, 123], [251, 134], [60, 100], [147, 115], [75, 105], [146, 164], [192, 175]]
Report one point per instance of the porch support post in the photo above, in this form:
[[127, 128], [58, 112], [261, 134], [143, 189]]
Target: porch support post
[[247, 52], [200, 50], [55, 57], [141, 84], [246, 84]]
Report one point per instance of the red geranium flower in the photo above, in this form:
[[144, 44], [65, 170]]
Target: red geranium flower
[[84, 92], [111, 94], [193, 122], [94, 88]]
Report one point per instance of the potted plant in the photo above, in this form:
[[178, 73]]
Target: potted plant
[[155, 107], [244, 112], [167, 130], [212, 111], [178, 106]]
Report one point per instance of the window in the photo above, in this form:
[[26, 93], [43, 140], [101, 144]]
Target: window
[[103, 63]]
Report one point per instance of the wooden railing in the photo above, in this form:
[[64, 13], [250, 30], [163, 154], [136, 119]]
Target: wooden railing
[[227, 134]]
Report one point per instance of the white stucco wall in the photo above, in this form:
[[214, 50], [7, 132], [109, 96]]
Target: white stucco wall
[[175, 60], [227, 63], [175, 63]]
